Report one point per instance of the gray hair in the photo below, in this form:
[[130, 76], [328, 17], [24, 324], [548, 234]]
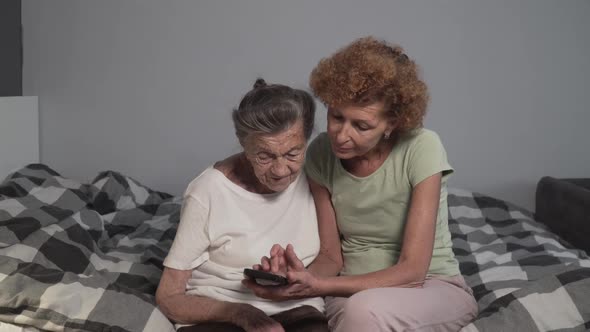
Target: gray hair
[[271, 109]]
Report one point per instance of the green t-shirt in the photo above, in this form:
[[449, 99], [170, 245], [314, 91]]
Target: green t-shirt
[[371, 211]]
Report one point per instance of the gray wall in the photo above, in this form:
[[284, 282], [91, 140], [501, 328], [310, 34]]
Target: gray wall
[[146, 87], [10, 48]]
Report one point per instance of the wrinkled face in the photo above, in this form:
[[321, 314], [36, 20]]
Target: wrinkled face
[[356, 130], [277, 159]]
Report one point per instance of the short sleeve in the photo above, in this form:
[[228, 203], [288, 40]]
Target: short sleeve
[[317, 160], [427, 157], [192, 241]]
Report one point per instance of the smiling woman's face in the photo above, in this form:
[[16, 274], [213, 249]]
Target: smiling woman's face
[[277, 159], [356, 130]]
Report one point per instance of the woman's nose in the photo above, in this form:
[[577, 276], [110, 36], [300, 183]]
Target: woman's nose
[[342, 135], [280, 168]]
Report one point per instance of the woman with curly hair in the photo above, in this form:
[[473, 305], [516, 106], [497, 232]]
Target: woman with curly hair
[[378, 179]]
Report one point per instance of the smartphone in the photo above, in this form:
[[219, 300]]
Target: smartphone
[[266, 278]]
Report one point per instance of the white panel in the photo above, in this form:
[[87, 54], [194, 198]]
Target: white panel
[[19, 133]]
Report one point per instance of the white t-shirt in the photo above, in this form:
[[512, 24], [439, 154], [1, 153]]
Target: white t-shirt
[[225, 228]]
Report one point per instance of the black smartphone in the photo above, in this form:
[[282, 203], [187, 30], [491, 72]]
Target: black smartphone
[[266, 278]]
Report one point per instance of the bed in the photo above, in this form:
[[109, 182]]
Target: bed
[[88, 257], [524, 276]]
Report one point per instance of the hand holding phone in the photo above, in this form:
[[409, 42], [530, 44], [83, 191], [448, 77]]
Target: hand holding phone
[[266, 278]]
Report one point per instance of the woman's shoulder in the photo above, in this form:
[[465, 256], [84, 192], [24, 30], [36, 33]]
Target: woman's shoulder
[[320, 158], [418, 138], [419, 134], [321, 140], [204, 183], [320, 146]]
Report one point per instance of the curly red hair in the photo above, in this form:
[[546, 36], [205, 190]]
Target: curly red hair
[[367, 71]]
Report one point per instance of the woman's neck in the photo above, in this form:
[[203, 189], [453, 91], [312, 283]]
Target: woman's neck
[[238, 170], [246, 177], [369, 162]]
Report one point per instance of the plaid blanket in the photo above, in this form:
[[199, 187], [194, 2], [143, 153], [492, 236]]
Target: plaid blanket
[[89, 257], [82, 257], [524, 277]]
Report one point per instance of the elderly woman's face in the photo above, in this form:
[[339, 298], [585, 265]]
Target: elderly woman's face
[[356, 130], [277, 159]]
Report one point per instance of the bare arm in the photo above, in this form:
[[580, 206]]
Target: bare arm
[[329, 260], [189, 309], [410, 270], [182, 308], [328, 263], [418, 243]]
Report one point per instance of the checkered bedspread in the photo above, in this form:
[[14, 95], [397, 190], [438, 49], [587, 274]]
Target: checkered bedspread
[[82, 257], [523, 277], [89, 257]]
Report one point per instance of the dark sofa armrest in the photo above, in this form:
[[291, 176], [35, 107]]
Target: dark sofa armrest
[[564, 206]]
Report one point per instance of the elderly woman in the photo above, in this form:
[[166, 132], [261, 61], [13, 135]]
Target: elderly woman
[[380, 179], [235, 210]]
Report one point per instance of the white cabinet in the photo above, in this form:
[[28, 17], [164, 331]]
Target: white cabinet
[[19, 133]]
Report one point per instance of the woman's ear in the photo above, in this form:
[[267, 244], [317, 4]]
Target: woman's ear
[[245, 142], [391, 126]]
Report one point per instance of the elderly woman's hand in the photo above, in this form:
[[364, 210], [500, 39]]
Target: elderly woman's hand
[[276, 263], [302, 283], [281, 261]]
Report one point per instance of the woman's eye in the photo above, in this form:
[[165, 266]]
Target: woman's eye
[[362, 127]]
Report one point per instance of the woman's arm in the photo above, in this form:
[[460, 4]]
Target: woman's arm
[[329, 260], [416, 254], [410, 270], [189, 309]]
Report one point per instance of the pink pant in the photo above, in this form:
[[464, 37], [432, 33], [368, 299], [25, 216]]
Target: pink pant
[[441, 304]]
